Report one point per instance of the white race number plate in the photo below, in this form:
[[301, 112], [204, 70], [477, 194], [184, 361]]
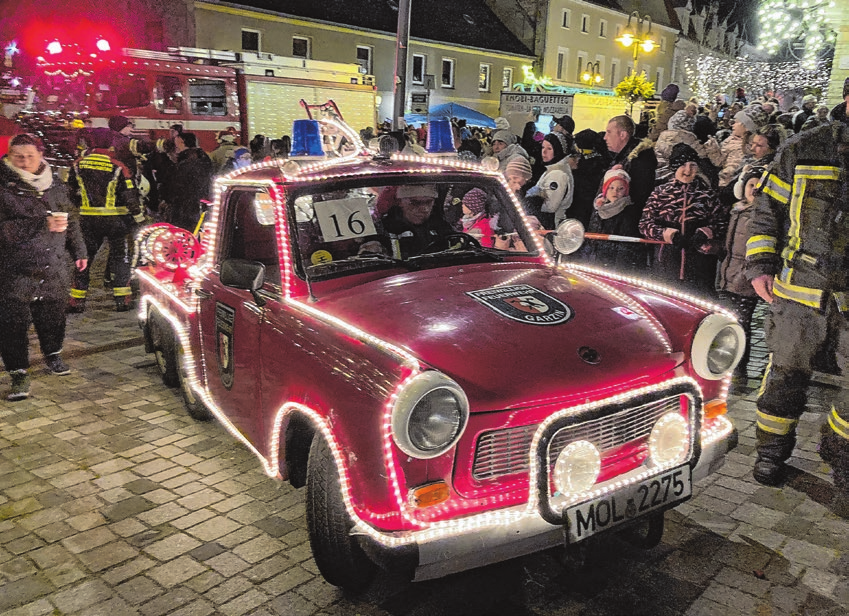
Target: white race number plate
[[630, 502]]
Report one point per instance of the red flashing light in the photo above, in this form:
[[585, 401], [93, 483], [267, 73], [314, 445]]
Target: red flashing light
[[54, 47], [103, 44]]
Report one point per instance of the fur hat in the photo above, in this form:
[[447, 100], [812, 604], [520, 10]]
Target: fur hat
[[682, 154], [118, 123], [501, 123], [752, 117], [407, 191], [566, 122], [475, 201], [504, 135], [519, 166], [613, 175], [681, 120], [740, 185], [670, 93]]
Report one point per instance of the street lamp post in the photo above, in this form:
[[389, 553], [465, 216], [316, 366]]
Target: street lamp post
[[640, 36], [592, 74]]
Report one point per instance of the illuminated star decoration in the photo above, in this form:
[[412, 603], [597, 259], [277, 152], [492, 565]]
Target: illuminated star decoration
[[792, 22]]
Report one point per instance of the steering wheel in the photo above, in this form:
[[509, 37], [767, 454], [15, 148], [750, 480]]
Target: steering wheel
[[446, 242], [174, 249]]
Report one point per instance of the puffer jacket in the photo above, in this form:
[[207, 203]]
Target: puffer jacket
[[33, 260], [732, 270]]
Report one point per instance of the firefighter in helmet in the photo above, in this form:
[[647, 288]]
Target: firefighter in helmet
[[109, 209], [798, 260]]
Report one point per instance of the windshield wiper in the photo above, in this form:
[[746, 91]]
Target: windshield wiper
[[364, 260], [461, 252]]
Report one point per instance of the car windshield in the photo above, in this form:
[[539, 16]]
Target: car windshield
[[355, 225]]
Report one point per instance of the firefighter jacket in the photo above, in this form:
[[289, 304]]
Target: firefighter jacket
[[800, 225], [105, 186]]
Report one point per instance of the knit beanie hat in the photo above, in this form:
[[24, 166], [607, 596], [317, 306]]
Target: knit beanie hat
[[475, 200], [567, 123], [681, 120], [752, 117], [613, 175], [504, 135], [587, 139], [118, 123], [501, 123], [740, 185], [519, 166], [670, 93], [682, 154], [562, 145]]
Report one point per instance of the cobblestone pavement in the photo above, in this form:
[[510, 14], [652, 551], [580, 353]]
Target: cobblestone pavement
[[113, 501]]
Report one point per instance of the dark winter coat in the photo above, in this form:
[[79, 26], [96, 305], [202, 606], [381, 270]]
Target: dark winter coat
[[588, 177], [34, 261], [686, 208], [191, 182], [619, 256], [639, 160]]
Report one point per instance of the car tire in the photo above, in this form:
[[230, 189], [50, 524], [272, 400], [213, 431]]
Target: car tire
[[194, 406], [339, 557], [645, 534], [164, 350]]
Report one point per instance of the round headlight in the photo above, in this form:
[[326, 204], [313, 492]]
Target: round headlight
[[717, 346], [669, 441], [429, 415], [569, 236], [577, 467]]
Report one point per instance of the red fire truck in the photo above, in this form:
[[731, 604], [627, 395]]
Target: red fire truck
[[206, 91]]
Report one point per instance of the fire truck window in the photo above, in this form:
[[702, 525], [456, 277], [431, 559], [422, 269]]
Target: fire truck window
[[208, 97], [131, 91], [168, 94]]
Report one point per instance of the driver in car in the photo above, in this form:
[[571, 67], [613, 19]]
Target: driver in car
[[412, 225]]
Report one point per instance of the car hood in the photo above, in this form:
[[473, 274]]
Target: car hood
[[513, 334]]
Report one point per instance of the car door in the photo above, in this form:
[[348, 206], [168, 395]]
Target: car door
[[231, 320]]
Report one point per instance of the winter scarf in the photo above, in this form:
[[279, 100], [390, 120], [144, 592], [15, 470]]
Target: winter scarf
[[40, 181], [609, 209]]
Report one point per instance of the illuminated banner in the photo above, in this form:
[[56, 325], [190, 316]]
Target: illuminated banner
[[541, 102]]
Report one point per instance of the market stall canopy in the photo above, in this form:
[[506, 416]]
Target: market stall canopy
[[452, 110]]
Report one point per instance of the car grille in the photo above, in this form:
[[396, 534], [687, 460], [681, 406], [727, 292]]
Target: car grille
[[505, 452]]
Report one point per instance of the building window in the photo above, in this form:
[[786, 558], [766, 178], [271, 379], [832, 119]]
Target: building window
[[301, 47], [614, 69], [419, 68], [364, 53], [567, 14], [250, 40], [507, 79], [602, 28], [447, 73], [562, 56], [483, 77], [658, 80], [663, 44], [585, 24], [582, 62]]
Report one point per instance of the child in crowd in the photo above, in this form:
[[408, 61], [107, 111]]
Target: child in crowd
[[611, 215], [475, 221], [732, 278]]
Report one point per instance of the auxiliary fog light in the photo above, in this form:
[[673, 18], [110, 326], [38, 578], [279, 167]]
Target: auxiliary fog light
[[577, 468], [669, 441]]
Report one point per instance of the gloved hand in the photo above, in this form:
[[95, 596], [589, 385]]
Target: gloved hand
[[535, 191], [680, 241]]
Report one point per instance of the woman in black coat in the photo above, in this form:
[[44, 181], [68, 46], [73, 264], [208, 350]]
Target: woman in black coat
[[35, 276]]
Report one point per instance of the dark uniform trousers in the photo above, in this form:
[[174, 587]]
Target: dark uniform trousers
[[114, 230], [798, 335]]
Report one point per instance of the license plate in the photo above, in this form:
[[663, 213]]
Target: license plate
[[629, 503]]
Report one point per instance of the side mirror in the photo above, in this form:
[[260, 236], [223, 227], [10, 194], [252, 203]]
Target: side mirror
[[244, 274], [568, 237]]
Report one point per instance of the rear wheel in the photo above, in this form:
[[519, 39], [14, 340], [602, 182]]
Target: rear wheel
[[195, 407], [164, 350], [339, 557]]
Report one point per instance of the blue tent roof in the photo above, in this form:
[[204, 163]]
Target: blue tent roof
[[452, 110]]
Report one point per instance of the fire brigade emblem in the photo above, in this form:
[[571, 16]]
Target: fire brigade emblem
[[225, 317], [524, 303]]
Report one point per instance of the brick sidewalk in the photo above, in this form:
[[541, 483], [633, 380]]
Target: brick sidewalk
[[113, 501]]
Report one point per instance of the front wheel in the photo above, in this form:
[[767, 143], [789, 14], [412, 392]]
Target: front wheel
[[339, 557], [645, 534], [195, 407]]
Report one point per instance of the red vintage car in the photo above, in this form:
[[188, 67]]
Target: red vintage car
[[450, 394]]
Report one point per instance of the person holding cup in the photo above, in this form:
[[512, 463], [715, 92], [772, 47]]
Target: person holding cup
[[38, 228]]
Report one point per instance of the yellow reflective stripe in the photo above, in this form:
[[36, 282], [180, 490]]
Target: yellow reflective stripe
[[78, 293], [803, 295], [840, 427], [102, 211], [110, 190], [762, 388], [800, 183], [122, 291], [777, 188], [842, 300], [758, 244], [776, 425], [818, 172], [129, 184], [83, 194]]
